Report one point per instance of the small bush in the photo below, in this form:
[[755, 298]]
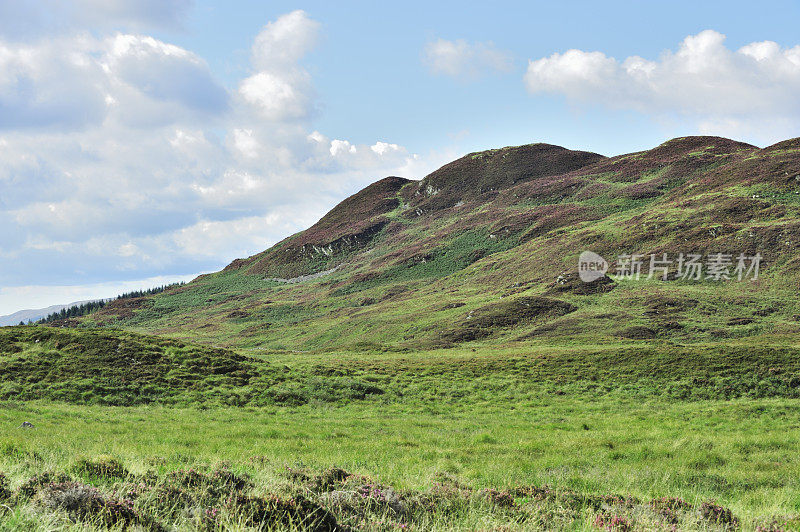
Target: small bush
[[714, 513], [32, 486], [273, 511], [669, 508], [5, 490], [616, 523], [328, 479], [503, 499], [192, 484], [83, 502]]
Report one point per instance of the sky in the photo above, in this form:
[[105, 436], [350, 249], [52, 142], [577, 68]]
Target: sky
[[148, 141]]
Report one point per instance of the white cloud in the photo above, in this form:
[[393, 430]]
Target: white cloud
[[461, 59], [341, 147], [382, 148], [278, 96], [75, 82], [55, 83], [245, 143], [720, 89], [209, 238], [126, 158], [161, 72], [285, 41], [280, 89]]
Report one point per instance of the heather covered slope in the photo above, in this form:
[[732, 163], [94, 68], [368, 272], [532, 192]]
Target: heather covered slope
[[478, 177], [348, 227], [484, 251]]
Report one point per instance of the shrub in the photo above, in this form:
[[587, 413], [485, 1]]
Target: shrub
[[31, 486], [191, 484], [379, 498], [325, 481], [668, 508], [617, 523], [328, 479], [720, 515], [83, 502], [5, 490], [273, 511], [502, 499], [596, 502]]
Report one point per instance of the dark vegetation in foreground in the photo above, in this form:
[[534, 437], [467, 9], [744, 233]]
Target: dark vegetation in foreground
[[104, 493], [122, 368]]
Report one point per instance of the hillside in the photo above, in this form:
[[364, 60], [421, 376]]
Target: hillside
[[484, 251], [426, 357]]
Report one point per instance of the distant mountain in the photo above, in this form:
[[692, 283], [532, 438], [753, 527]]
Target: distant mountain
[[486, 250], [37, 314]]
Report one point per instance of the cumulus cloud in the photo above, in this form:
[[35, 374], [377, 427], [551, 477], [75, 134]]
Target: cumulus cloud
[[461, 59], [279, 88], [278, 96], [122, 156], [162, 72], [70, 83], [705, 81], [285, 41], [55, 83], [382, 148]]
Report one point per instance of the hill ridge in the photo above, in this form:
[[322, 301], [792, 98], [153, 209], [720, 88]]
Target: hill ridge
[[497, 264]]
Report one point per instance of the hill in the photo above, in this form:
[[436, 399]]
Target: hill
[[112, 367], [484, 251], [436, 335]]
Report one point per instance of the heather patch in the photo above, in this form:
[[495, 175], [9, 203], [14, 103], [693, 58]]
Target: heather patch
[[612, 522], [32, 485], [273, 511], [5, 488], [334, 499], [717, 514], [86, 503]]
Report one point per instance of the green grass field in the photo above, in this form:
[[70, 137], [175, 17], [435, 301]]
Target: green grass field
[[526, 439]]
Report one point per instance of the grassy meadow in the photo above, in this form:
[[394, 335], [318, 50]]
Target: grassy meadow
[[507, 439]]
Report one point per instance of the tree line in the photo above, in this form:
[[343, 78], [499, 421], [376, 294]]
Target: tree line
[[93, 306]]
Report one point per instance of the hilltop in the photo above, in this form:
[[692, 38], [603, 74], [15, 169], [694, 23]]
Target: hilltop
[[484, 251]]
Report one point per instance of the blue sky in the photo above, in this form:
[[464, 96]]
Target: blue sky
[[369, 55], [145, 141]]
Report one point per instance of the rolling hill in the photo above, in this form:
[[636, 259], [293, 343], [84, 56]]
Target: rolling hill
[[484, 251], [430, 345]]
